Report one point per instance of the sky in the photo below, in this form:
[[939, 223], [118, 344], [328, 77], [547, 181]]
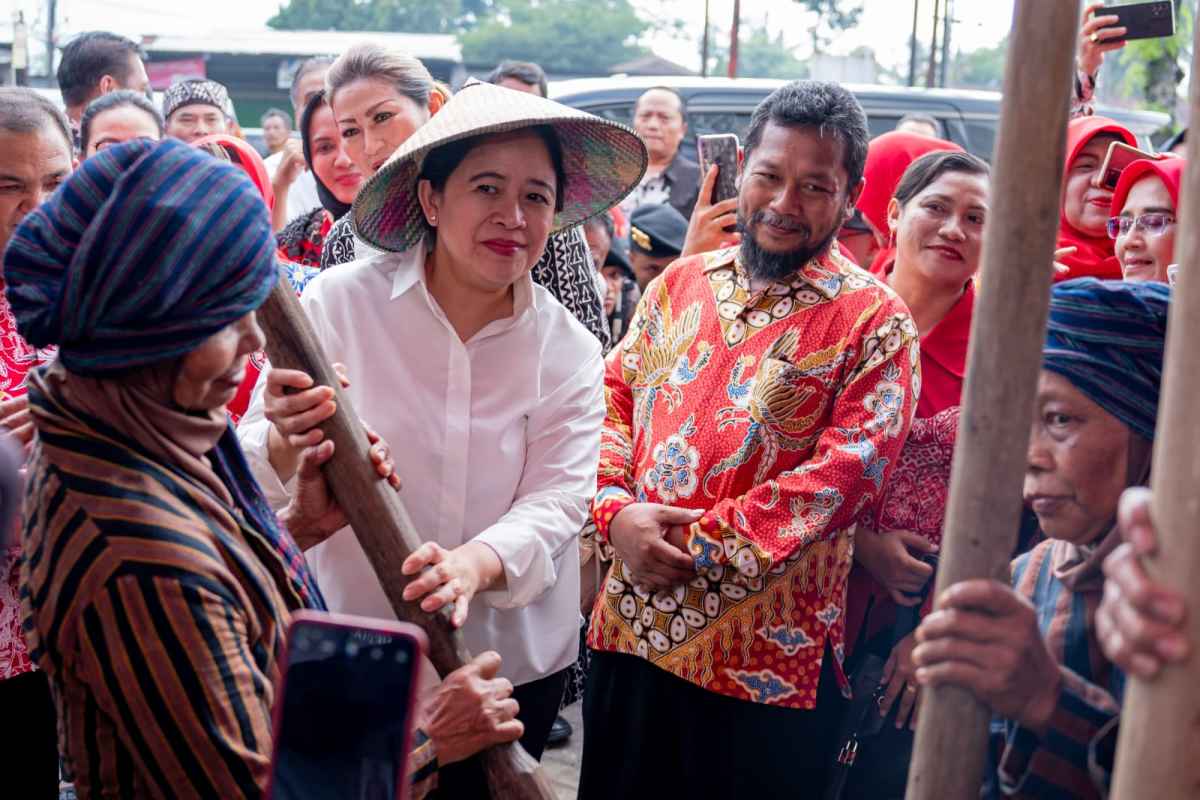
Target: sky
[[885, 24]]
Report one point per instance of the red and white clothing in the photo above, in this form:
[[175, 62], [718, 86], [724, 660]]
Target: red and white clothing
[[17, 357], [779, 411], [916, 497], [944, 358]]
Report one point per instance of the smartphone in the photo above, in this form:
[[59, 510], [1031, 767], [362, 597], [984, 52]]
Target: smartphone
[[720, 149], [1144, 20], [344, 711], [1119, 156]]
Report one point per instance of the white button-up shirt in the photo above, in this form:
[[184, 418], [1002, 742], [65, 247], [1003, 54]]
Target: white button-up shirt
[[496, 439]]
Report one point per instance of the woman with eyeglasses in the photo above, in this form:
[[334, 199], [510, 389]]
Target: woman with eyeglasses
[[1143, 224]]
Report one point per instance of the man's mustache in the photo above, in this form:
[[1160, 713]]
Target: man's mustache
[[778, 221]]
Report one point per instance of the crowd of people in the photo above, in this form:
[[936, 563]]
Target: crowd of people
[[685, 459]]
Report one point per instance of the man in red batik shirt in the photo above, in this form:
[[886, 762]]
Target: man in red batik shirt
[[755, 407]]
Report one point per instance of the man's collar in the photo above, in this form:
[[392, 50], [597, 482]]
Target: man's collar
[[824, 273]]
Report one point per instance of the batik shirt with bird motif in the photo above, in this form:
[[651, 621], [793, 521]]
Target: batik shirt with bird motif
[[779, 411]]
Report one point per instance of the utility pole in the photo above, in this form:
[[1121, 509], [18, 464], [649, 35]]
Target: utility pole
[[947, 20], [912, 57], [733, 39], [933, 46], [53, 15], [20, 49], [704, 46]]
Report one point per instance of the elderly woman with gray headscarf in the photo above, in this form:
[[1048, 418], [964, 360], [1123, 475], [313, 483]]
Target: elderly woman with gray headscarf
[[156, 582], [1031, 652]]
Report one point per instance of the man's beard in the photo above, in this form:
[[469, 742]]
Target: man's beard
[[769, 265]]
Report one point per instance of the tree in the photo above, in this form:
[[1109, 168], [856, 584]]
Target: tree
[[979, 69], [760, 55], [561, 35], [409, 16], [1153, 66], [830, 16]]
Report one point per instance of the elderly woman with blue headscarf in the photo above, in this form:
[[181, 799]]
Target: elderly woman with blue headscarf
[[157, 584], [1030, 652]]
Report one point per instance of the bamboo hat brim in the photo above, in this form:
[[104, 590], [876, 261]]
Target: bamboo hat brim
[[603, 161]]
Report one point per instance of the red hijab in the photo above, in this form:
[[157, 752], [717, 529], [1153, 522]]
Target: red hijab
[[1168, 170], [242, 155], [1094, 256], [888, 156]]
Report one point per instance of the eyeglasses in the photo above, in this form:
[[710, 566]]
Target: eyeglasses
[[1154, 223]]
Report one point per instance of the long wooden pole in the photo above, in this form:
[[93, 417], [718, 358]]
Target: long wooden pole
[[382, 525], [931, 73], [1002, 367], [1160, 721]]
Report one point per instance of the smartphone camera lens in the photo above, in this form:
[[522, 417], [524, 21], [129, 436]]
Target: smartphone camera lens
[[401, 657], [351, 649], [376, 653], [328, 648]]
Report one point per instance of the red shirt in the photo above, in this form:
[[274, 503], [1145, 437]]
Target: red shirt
[[944, 358], [780, 413], [916, 496], [17, 358]]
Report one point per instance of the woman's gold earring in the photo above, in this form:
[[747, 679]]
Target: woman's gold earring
[[433, 220]]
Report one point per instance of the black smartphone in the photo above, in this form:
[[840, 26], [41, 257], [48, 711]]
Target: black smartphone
[[344, 712], [1143, 20], [720, 149]]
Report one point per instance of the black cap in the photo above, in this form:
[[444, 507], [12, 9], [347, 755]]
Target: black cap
[[657, 230], [618, 256]]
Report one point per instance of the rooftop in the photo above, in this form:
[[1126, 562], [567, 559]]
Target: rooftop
[[303, 43]]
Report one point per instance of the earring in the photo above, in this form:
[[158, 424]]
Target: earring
[[433, 219]]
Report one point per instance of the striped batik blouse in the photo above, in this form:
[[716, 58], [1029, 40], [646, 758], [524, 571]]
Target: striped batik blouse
[[157, 613]]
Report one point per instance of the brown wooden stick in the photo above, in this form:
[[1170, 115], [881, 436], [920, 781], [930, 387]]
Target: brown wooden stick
[[1160, 720], [382, 525], [1003, 364]]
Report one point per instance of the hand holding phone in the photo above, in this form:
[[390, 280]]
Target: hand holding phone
[[1101, 33], [713, 223]]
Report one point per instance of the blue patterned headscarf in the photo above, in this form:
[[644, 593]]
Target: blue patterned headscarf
[[143, 253], [1107, 339]]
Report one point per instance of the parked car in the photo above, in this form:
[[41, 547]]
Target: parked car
[[724, 105]]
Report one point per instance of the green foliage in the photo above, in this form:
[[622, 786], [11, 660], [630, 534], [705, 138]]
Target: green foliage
[[979, 69], [1152, 70], [561, 35], [408, 16], [760, 55]]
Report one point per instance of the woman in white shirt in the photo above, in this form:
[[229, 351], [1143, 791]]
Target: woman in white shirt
[[488, 390]]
